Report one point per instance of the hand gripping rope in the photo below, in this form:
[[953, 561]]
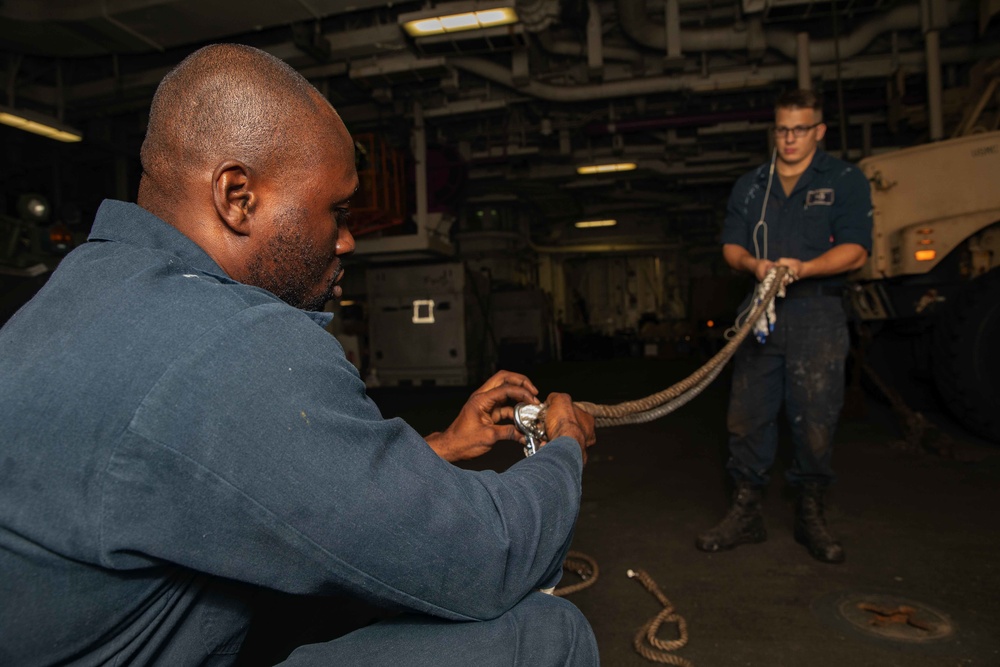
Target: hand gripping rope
[[530, 420]]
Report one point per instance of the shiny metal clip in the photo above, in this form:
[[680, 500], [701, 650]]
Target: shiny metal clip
[[530, 420]]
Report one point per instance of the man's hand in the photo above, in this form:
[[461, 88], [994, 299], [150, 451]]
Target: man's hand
[[740, 259], [478, 426], [761, 268], [563, 418], [836, 260]]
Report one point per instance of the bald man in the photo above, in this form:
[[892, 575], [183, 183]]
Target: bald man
[[179, 433]]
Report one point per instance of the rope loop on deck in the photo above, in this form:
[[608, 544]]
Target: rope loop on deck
[[582, 566], [646, 643]]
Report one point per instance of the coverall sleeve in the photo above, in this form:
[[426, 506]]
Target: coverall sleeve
[[258, 457], [852, 222], [736, 228]]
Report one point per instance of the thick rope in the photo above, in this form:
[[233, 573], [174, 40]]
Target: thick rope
[[659, 404], [646, 643], [582, 566]]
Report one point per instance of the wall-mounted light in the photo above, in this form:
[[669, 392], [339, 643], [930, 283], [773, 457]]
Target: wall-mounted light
[[29, 121], [606, 168], [425, 24], [586, 224]]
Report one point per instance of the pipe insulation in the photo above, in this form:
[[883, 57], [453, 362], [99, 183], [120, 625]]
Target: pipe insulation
[[636, 23], [740, 79]]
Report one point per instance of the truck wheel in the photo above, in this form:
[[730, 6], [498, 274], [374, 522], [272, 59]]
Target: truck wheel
[[967, 356]]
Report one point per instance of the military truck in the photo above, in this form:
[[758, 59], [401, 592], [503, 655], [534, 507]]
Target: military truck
[[934, 270]]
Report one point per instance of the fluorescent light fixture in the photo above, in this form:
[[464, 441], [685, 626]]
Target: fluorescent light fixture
[[586, 224], [461, 21], [606, 168], [37, 123]]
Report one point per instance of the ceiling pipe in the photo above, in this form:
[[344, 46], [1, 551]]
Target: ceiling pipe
[[595, 40], [666, 122], [625, 87], [590, 248], [537, 15], [78, 10], [803, 65], [672, 19], [565, 47], [935, 115], [934, 17], [734, 80], [130, 31], [637, 24]]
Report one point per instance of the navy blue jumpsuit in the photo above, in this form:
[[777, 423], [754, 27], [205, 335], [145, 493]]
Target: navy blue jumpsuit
[[802, 361], [174, 442]]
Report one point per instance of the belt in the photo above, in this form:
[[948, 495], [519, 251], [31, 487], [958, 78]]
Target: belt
[[800, 290]]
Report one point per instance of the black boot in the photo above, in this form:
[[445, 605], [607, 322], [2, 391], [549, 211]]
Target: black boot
[[810, 526], [742, 525]]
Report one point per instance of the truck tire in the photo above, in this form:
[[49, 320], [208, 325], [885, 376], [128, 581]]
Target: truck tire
[[966, 360]]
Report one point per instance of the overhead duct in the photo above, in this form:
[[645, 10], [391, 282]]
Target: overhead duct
[[637, 24], [567, 47], [879, 66], [537, 15], [81, 28], [621, 88]]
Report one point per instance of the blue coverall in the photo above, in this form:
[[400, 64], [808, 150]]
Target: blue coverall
[[173, 441], [802, 361]]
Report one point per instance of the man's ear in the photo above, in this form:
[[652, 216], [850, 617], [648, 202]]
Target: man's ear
[[820, 131], [232, 197]]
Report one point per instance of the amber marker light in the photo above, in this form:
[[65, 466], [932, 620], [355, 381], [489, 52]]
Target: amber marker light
[[925, 255]]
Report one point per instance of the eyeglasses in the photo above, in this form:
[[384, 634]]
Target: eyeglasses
[[798, 131]]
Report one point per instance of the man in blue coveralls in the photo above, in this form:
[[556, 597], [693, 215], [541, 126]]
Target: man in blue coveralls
[[180, 438], [817, 222]]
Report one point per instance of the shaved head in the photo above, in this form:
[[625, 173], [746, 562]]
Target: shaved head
[[226, 101], [247, 159]]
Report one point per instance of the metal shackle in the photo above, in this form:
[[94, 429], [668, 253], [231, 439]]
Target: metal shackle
[[530, 420]]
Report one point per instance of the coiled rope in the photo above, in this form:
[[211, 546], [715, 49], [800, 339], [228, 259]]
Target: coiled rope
[[582, 566], [657, 405], [646, 643]]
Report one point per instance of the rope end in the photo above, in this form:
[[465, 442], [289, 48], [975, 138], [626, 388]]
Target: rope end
[[631, 574]]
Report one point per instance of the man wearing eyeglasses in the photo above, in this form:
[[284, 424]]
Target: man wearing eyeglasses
[[812, 213]]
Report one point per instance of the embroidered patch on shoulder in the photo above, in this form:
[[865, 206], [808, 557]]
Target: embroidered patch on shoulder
[[820, 197]]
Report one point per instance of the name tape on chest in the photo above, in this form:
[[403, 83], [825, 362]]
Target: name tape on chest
[[820, 197]]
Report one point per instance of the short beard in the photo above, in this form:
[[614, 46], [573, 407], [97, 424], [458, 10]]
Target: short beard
[[291, 268]]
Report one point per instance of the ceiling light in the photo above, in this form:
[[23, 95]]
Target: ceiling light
[[37, 123], [586, 224], [431, 24], [605, 168]]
